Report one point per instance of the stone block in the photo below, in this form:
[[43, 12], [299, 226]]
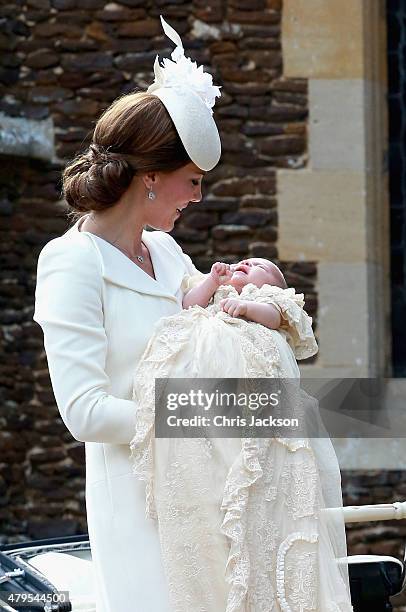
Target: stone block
[[323, 39], [96, 31], [39, 4], [263, 249], [204, 31], [349, 316], [194, 249], [199, 220], [249, 5], [47, 94], [252, 217], [86, 61], [244, 76], [38, 455], [257, 31], [75, 46], [244, 186], [301, 284], [233, 110], [236, 246], [54, 29], [135, 61], [219, 47], [337, 123], [64, 5], [285, 97], [26, 137], [188, 234], [279, 112], [248, 158], [143, 28], [263, 59], [281, 145], [250, 89], [252, 100], [42, 58], [254, 17], [221, 204], [260, 128], [261, 43], [267, 233], [6, 207], [299, 128], [133, 3], [91, 5], [276, 5], [78, 108], [258, 201], [136, 45], [322, 216], [116, 12], [290, 85], [221, 232], [209, 14], [233, 142]]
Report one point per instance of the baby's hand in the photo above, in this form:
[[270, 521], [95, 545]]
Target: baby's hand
[[234, 307], [220, 272]]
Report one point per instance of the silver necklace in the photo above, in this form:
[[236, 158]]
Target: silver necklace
[[139, 258]]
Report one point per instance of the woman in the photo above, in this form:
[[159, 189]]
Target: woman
[[100, 289]]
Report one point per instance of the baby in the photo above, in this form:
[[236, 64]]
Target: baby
[[234, 514], [256, 271]]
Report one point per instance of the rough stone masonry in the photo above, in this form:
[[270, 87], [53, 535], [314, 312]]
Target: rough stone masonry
[[62, 63]]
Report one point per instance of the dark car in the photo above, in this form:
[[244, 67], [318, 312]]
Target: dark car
[[55, 575]]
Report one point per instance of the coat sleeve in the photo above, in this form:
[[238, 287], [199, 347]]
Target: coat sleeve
[[69, 308]]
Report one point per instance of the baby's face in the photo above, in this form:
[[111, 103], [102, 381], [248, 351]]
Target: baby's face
[[254, 270]]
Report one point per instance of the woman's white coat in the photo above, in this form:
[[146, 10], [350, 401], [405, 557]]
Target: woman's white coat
[[97, 310]]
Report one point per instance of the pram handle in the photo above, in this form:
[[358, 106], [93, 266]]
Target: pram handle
[[373, 512]]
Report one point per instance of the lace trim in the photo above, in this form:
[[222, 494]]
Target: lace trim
[[296, 326], [191, 280], [240, 478], [304, 579], [299, 484], [170, 338]]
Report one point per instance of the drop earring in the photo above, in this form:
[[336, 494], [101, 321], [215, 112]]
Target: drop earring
[[151, 194]]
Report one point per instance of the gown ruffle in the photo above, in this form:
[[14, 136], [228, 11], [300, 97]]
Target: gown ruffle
[[242, 521]]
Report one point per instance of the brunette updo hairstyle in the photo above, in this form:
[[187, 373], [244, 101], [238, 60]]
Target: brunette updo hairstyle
[[133, 136]]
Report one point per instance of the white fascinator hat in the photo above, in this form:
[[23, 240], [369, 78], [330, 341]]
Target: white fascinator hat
[[188, 95]]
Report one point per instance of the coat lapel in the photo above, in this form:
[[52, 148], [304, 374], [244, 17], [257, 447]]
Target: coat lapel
[[120, 270]]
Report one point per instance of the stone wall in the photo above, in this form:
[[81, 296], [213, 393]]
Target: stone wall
[[65, 64], [41, 465], [342, 223]]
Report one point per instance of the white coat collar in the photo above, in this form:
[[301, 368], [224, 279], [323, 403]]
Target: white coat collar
[[120, 270]]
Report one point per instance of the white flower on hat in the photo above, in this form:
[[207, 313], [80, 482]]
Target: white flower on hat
[[180, 72]]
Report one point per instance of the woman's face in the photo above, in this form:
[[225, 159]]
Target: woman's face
[[174, 192]]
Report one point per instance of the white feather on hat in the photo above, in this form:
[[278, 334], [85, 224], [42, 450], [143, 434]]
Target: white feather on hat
[[188, 94]]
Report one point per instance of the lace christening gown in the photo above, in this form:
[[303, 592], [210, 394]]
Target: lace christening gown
[[241, 521]]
